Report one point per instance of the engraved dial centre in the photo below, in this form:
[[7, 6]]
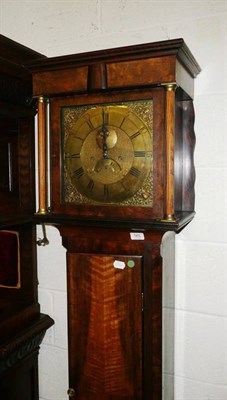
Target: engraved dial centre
[[118, 161]]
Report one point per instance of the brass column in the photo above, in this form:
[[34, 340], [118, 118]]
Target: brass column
[[42, 156], [169, 150]]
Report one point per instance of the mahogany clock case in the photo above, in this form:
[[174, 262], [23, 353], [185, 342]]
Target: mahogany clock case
[[118, 248], [162, 73], [22, 326]]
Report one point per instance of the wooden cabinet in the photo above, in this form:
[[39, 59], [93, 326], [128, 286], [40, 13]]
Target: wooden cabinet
[[22, 327]]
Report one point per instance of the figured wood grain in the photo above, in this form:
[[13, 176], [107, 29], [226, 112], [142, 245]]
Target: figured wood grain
[[55, 82], [149, 71], [105, 331]]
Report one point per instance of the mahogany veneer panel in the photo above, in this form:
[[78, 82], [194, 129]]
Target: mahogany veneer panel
[[105, 331]]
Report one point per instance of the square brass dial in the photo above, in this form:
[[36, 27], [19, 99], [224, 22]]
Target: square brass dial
[[107, 154]]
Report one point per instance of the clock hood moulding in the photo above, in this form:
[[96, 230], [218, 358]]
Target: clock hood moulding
[[160, 63], [175, 47]]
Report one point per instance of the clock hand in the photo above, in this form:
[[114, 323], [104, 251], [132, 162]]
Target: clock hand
[[104, 134], [106, 139]]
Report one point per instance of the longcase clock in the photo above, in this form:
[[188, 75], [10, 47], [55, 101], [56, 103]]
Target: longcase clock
[[121, 145]]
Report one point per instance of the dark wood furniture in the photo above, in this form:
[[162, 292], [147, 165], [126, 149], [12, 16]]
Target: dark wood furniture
[[115, 250], [22, 326]]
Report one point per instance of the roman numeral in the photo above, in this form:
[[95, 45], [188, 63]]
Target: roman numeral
[[122, 122], [126, 189], [79, 138], [74, 155], [105, 117], [79, 172], [139, 153], [135, 135], [135, 172], [91, 126], [90, 185], [106, 192]]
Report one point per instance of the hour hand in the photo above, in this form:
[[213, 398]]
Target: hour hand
[[106, 139], [104, 134]]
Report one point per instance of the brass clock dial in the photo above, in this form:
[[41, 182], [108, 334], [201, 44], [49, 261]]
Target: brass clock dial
[[107, 156]]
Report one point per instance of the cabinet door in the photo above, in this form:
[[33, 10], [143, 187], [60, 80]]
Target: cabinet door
[[105, 326]]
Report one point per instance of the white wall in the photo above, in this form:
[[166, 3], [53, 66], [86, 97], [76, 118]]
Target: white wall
[[64, 27]]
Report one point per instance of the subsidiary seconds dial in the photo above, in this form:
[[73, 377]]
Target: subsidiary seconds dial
[[107, 155]]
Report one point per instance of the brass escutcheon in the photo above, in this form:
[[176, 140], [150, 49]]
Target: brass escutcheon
[[71, 392]]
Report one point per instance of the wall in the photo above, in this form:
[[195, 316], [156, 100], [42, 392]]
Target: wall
[[64, 27]]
